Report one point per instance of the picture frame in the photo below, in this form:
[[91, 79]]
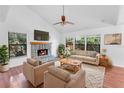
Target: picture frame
[[113, 39], [17, 43]]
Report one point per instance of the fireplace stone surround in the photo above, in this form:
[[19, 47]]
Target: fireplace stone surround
[[41, 47]]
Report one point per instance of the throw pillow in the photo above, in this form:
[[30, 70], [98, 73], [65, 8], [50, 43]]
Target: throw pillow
[[32, 61]]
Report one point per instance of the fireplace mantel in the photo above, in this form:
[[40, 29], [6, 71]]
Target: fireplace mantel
[[39, 43]]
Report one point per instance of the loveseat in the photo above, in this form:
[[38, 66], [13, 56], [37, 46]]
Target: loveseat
[[34, 72], [60, 78], [91, 57]]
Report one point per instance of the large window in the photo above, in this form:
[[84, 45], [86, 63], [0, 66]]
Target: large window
[[90, 43], [93, 43], [69, 43], [80, 43]]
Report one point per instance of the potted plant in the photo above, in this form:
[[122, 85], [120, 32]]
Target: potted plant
[[4, 58], [103, 52], [67, 52], [61, 50]]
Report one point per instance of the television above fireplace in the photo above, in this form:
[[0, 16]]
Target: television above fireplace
[[41, 35]]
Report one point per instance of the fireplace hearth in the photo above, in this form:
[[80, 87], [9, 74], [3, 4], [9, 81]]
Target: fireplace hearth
[[42, 52]]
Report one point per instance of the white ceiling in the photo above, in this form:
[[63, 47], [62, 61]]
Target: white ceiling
[[3, 12], [84, 16]]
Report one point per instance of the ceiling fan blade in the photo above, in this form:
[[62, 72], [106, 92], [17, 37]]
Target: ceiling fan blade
[[69, 22], [57, 23]]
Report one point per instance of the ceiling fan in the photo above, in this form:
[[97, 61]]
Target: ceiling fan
[[63, 20]]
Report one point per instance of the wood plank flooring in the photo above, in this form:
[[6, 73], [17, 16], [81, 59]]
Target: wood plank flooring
[[114, 78], [14, 78]]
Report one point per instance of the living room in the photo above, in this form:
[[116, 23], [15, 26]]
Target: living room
[[100, 29]]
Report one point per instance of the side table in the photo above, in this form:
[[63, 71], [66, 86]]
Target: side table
[[105, 61]]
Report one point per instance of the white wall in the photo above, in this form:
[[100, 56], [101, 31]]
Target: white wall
[[23, 20], [115, 52], [3, 33]]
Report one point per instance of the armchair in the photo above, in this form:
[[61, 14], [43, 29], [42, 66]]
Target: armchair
[[59, 78], [35, 74]]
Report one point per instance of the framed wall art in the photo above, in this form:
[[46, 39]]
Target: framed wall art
[[17, 44], [113, 39]]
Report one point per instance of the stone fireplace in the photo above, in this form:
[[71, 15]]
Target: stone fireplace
[[40, 49]]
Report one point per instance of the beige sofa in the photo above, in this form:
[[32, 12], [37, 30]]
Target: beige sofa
[[90, 57], [59, 78], [34, 73]]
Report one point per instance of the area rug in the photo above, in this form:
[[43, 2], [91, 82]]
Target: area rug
[[94, 76]]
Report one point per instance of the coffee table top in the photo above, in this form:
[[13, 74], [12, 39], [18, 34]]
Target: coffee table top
[[70, 61]]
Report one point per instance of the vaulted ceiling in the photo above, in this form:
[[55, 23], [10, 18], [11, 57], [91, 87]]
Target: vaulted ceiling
[[84, 16]]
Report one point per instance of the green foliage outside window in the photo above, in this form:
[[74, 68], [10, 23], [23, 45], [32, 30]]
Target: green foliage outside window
[[93, 40], [80, 41], [93, 43], [69, 40]]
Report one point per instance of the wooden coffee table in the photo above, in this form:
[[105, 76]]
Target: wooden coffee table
[[71, 64]]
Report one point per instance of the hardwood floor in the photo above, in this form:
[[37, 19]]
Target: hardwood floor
[[114, 78], [14, 78]]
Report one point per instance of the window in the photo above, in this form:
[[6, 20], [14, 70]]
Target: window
[[80, 43], [69, 43], [90, 43], [93, 43]]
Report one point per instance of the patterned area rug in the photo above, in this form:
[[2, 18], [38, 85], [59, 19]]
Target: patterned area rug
[[94, 76]]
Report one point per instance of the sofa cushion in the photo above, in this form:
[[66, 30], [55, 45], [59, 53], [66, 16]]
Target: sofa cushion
[[75, 56], [32, 61], [85, 53], [80, 52], [79, 57], [60, 73], [89, 58], [91, 53], [73, 52], [84, 57]]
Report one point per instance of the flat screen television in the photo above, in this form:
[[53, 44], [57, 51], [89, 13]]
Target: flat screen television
[[41, 35]]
